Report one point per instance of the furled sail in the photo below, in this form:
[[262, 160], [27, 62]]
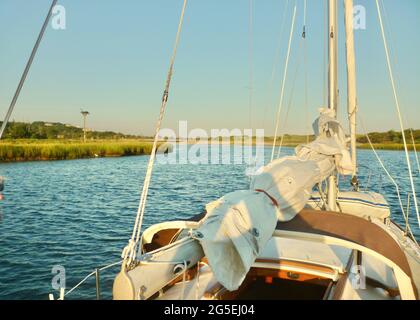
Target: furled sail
[[238, 225]]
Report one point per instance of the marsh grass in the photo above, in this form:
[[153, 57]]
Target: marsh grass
[[34, 150], [388, 146]]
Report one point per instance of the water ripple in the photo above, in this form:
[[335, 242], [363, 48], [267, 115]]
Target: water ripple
[[79, 213]]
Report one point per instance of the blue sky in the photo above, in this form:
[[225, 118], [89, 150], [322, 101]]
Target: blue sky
[[113, 56]]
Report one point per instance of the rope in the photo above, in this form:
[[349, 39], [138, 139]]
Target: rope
[[413, 141], [26, 70], [250, 56], [90, 275], [302, 41], [415, 150], [130, 250], [251, 76], [395, 59], [397, 104], [405, 215], [326, 32], [80, 283], [276, 58], [286, 118], [283, 83], [305, 49]]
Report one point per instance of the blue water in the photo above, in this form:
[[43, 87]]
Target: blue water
[[79, 213]]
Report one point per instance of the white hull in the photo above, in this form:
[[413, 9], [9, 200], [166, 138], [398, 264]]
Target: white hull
[[316, 267]]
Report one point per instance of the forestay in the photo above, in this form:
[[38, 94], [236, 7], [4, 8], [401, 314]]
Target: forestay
[[238, 225]]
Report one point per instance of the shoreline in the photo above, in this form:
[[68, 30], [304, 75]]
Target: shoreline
[[53, 150], [12, 151]]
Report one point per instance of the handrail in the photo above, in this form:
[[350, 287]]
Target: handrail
[[96, 273]]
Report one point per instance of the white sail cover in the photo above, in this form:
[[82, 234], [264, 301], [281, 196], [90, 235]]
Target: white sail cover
[[238, 225]]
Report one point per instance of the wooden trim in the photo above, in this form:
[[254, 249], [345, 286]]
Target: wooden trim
[[283, 263], [284, 274]]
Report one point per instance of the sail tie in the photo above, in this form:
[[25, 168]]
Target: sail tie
[[273, 200]]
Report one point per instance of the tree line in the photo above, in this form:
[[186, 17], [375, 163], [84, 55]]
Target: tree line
[[390, 137], [56, 130]]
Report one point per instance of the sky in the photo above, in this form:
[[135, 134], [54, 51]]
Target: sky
[[113, 57]]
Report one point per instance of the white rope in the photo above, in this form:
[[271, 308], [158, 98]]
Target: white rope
[[301, 42], [305, 49], [405, 214], [276, 58], [279, 45], [80, 283], [415, 150], [286, 117], [283, 83], [325, 60], [110, 265], [90, 275], [129, 251], [251, 71], [397, 103], [407, 224], [251, 66], [393, 54]]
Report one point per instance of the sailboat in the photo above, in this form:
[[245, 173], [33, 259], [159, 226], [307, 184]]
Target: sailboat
[[287, 237]]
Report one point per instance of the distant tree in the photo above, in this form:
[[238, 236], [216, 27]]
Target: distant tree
[[18, 130]]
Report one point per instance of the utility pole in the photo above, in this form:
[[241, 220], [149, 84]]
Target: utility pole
[[84, 114]]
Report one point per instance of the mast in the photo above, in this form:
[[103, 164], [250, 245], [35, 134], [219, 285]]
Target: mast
[[332, 55], [332, 87], [351, 84]]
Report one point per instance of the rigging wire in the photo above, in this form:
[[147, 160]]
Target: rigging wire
[[397, 188], [27, 68], [395, 59], [305, 49], [129, 252], [301, 43], [283, 83], [397, 103], [415, 150], [325, 67], [251, 60], [413, 141], [276, 58], [251, 71]]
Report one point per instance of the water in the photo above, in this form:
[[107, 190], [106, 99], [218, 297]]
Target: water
[[79, 214]]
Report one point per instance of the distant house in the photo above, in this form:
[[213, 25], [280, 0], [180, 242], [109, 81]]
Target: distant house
[[47, 124]]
